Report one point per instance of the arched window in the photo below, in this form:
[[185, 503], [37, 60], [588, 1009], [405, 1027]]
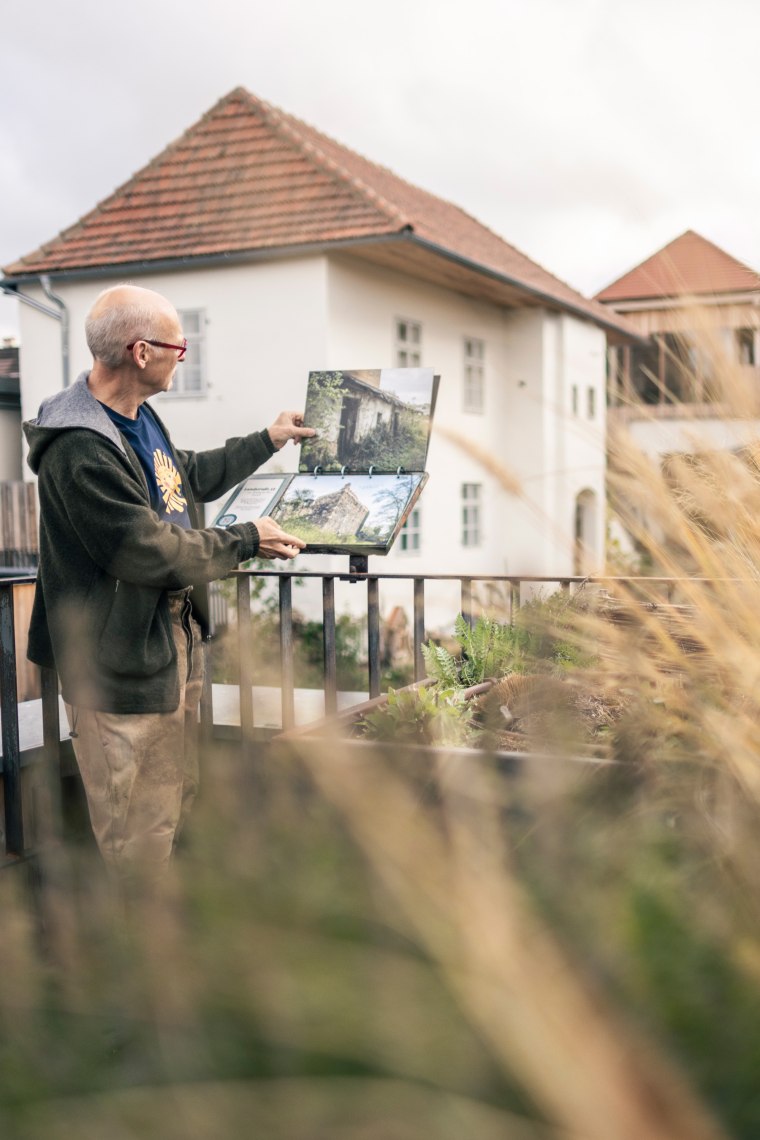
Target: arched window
[[586, 553]]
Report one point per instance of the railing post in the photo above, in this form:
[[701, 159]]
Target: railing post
[[207, 699], [373, 635], [51, 744], [419, 628], [329, 646], [514, 600], [467, 599], [14, 822], [245, 661], [287, 676]]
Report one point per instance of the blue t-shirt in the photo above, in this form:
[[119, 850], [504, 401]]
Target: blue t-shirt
[[151, 447]]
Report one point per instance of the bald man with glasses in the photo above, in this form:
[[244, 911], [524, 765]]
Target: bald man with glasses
[[119, 604]]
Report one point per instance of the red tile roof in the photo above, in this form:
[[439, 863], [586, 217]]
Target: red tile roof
[[689, 266], [247, 177]]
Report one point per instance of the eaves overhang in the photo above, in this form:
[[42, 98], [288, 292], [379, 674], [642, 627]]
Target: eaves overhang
[[684, 301], [504, 288], [620, 330]]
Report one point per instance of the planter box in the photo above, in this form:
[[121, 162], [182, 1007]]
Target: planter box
[[340, 728]]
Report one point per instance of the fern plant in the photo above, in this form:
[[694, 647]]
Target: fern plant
[[539, 639], [441, 665], [488, 649]]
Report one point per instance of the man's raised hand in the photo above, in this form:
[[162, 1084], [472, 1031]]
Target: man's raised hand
[[289, 425]]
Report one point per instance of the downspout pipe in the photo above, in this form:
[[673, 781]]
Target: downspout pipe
[[64, 319], [58, 314]]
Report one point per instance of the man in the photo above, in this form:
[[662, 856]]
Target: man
[[120, 554]]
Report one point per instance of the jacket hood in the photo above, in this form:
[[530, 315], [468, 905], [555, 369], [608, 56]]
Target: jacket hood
[[74, 407]]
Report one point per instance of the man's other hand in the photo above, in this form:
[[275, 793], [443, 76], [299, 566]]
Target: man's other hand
[[289, 425], [274, 542]]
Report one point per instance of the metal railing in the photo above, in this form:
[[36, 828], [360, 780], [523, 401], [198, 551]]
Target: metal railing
[[50, 754], [467, 583]]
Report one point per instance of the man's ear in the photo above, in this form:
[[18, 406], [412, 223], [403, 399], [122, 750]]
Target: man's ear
[[139, 353]]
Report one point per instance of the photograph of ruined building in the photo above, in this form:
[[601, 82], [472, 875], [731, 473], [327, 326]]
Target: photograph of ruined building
[[363, 511], [377, 418]]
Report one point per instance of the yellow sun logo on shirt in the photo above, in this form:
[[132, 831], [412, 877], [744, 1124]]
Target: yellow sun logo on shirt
[[169, 482]]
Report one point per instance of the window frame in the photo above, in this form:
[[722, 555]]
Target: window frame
[[196, 346], [471, 515], [406, 345], [411, 530], [474, 385], [745, 346]]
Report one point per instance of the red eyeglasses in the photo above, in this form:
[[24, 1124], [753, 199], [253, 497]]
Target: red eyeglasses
[[180, 348]]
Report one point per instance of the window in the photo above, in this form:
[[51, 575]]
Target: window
[[474, 374], [671, 368], [190, 377], [591, 402], [471, 499], [745, 346], [408, 343], [410, 536], [574, 398]]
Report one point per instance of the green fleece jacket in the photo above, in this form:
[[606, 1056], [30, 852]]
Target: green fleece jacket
[[101, 612]]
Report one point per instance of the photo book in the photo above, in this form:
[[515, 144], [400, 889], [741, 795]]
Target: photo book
[[360, 476]]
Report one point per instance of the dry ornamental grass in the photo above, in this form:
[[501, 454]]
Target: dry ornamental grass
[[398, 948]]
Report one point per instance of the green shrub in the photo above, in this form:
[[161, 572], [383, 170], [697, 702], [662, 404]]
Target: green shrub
[[542, 637], [429, 715]]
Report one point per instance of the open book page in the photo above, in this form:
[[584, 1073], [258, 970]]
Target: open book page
[[379, 418], [356, 510], [252, 499]]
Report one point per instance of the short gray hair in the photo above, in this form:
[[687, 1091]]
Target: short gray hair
[[109, 333]]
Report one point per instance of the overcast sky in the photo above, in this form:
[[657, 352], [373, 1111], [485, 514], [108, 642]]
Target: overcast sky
[[586, 132]]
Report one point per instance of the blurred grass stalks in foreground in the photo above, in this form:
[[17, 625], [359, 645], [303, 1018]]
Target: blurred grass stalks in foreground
[[696, 518], [404, 945], [449, 870]]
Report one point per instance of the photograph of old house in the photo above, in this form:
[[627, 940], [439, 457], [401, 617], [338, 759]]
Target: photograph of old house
[[377, 418], [351, 512]]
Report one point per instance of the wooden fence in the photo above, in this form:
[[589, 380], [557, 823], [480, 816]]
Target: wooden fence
[[18, 525], [27, 675]]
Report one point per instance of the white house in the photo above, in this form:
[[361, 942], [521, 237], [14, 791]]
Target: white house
[[286, 252]]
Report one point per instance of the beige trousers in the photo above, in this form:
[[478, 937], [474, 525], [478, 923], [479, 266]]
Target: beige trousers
[[140, 771]]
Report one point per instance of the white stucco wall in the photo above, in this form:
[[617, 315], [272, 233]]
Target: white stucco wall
[[364, 304], [265, 325], [532, 360], [581, 450]]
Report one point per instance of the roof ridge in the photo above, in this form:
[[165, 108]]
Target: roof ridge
[[278, 117], [665, 255], [287, 125], [718, 249], [640, 264]]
